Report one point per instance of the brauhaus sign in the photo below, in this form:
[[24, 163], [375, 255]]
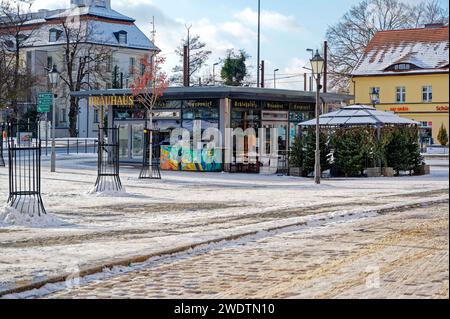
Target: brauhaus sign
[[126, 100]]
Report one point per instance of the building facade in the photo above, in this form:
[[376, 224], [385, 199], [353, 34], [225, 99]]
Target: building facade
[[410, 71], [204, 108], [101, 27]]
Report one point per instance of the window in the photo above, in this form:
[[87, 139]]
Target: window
[[427, 93], [62, 115], [29, 62], [401, 94], [402, 67], [96, 116], [109, 62], [142, 67], [122, 38], [54, 35], [132, 65]]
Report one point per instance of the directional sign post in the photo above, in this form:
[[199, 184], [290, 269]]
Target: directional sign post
[[45, 100]]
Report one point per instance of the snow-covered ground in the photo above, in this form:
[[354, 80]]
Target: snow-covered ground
[[179, 210]]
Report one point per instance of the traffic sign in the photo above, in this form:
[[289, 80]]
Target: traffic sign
[[45, 101]]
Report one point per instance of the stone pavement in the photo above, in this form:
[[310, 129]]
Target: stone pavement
[[400, 255]]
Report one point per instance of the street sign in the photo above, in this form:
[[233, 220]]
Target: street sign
[[45, 100]]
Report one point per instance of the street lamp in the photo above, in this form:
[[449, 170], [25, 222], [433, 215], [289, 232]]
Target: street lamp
[[275, 78], [214, 73], [374, 96], [317, 63], [53, 76]]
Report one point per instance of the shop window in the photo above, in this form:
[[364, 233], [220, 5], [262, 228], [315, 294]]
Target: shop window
[[401, 94], [427, 93]]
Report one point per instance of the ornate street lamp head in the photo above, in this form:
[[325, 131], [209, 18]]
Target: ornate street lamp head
[[374, 96], [53, 76], [317, 63]]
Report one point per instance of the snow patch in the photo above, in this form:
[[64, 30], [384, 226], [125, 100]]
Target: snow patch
[[9, 216]]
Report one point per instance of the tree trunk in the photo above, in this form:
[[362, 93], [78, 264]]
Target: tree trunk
[[73, 114]]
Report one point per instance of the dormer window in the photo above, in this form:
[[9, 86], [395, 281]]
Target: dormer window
[[54, 35], [402, 67], [121, 37]]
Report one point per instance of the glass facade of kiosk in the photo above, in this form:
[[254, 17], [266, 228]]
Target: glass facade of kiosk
[[205, 113]]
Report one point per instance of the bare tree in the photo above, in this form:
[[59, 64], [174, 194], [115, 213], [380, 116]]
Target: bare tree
[[16, 33], [349, 37], [147, 88], [198, 55], [87, 63]]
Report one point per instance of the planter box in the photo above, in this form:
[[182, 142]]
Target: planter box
[[373, 172], [295, 171], [388, 172], [423, 170]]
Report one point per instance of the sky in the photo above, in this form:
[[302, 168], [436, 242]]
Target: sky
[[288, 28]]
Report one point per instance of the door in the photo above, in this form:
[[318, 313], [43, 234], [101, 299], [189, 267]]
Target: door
[[282, 140], [131, 141]]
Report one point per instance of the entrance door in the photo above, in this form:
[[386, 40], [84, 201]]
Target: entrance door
[[282, 138], [131, 141]]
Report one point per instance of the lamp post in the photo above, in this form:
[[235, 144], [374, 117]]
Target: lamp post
[[214, 73], [317, 63], [275, 78], [374, 96], [53, 76], [258, 46]]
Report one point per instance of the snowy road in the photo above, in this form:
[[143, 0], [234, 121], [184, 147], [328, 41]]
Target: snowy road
[[401, 255], [181, 210]]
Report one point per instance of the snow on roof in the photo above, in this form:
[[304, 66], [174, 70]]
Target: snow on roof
[[426, 48], [359, 115], [101, 12], [100, 32]]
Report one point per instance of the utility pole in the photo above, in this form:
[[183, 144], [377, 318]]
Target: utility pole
[[262, 73], [188, 55], [325, 67], [259, 44]]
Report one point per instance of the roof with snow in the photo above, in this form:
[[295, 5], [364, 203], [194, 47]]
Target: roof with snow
[[101, 12], [355, 115], [425, 50], [100, 23]]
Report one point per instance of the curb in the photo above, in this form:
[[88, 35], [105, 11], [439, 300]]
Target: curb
[[143, 258]]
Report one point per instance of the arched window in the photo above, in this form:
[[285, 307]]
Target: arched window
[[402, 67]]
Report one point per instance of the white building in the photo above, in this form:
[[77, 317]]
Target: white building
[[110, 29]]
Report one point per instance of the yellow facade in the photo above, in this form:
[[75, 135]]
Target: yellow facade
[[435, 112]]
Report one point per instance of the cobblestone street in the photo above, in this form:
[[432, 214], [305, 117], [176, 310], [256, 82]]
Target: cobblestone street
[[398, 255]]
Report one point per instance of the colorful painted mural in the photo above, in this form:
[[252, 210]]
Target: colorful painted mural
[[186, 159]]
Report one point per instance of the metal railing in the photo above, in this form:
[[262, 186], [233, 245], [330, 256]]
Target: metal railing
[[71, 146]]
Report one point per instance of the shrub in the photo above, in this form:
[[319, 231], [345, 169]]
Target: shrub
[[309, 148], [403, 150], [297, 153], [442, 136], [350, 151]]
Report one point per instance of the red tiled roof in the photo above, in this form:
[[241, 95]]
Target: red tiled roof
[[393, 37], [426, 48]]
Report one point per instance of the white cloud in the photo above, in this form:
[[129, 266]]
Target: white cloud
[[269, 19]]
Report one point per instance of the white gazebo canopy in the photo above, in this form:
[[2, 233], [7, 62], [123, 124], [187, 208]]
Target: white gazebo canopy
[[355, 115]]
